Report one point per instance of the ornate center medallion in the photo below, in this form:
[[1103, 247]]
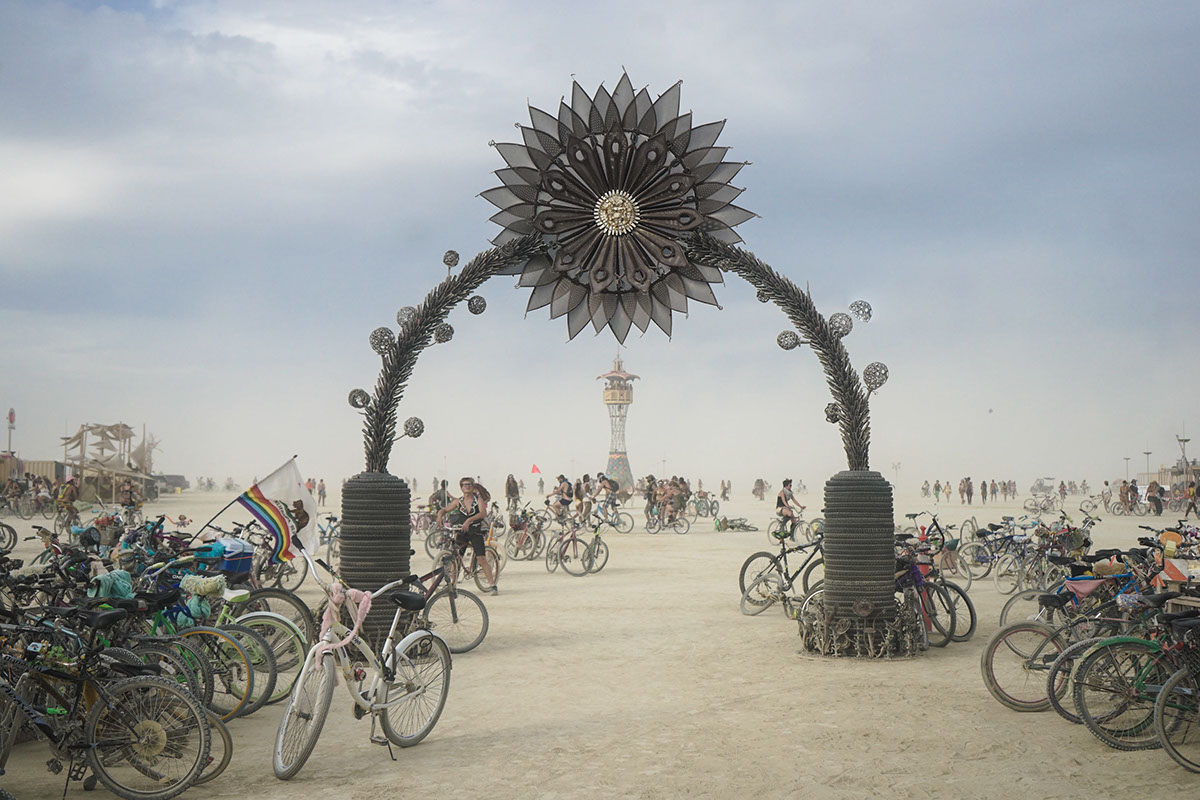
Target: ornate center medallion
[[616, 213]]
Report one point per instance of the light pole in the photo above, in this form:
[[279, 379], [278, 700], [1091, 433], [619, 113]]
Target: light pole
[[896, 470], [1187, 466], [1126, 467], [1147, 453]]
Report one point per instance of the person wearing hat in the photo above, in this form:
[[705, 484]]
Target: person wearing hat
[[68, 494], [559, 498]]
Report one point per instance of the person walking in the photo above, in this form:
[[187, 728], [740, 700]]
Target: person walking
[[1190, 495], [1135, 494], [937, 490], [1154, 493], [321, 492], [983, 490]]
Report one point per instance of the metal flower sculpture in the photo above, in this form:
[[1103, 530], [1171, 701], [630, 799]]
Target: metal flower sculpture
[[832, 414], [443, 333], [382, 340], [450, 259], [612, 185], [841, 324], [359, 398], [861, 309], [788, 340], [477, 305], [414, 427], [875, 375], [405, 315]]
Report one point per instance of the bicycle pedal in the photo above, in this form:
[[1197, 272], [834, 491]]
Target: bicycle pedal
[[382, 741], [79, 770]]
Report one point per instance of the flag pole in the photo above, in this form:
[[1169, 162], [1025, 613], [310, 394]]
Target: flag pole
[[210, 522]]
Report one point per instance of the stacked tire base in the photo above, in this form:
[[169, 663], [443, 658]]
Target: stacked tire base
[[858, 614], [376, 540]]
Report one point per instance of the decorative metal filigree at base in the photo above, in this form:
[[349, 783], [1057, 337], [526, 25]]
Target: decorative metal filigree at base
[[859, 636]]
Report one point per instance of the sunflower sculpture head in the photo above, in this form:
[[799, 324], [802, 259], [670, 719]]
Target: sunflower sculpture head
[[612, 185]]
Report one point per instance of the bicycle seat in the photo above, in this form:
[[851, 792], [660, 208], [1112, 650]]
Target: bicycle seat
[[92, 619], [1185, 626], [409, 601], [157, 601], [1159, 600], [1179, 616], [1007, 518], [1061, 561], [994, 527], [1108, 553], [912, 516], [1052, 600]]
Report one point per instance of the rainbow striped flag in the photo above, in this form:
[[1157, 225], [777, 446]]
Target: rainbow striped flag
[[285, 508]]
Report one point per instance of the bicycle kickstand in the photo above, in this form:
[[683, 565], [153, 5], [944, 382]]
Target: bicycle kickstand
[[381, 740]]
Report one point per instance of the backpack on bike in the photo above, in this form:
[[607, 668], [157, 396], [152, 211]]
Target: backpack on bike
[[570, 493]]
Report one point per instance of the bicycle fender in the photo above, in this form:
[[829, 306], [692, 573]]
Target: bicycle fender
[[404, 643]]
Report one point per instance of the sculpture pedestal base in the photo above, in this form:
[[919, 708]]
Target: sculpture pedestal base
[[856, 613], [375, 540]]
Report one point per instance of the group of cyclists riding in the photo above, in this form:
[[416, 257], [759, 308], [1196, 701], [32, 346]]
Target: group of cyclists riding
[[40, 492]]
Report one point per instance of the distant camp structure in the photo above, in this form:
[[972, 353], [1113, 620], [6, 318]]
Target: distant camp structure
[[105, 455]]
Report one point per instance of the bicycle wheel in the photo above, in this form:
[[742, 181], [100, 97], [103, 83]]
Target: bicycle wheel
[[1140, 509], [459, 617], [171, 665], [262, 661], [489, 554], [1087, 506], [814, 575], [1025, 605], [1058, 686], [761, 594], [772, 528], [301, 724], [47, 510], [1032, 505], [287, 645], [233, 672], [552, 552], [149, 740], [754, 566], [599, 554], [939, 610], [575, 557], [965, 618], [1116, 686], [681, 525], [220, 751], [623, 522], [423, 681], [284, 575], [1177, 719], [714, 507], [25, 507], [1014, 663], [1007, 573], [8, 537], [286, 604], [654, 524], [518, 545], [192, 654]]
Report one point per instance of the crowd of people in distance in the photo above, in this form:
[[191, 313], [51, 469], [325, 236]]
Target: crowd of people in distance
[[988, 490]]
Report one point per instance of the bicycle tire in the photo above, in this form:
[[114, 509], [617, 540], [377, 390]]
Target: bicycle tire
[[552, 553], [1026, 600], [623, 522], [489, 554], [169, 721], [288, 644], [287, 575], [681, 522], [714, 507], [940, 610], [287, 604], [1012, 657], [964, 612], [760, 595], [426, 664], [219, 736], [599, 555], [461, 619], [8, 537], [172, 666], [1106, 673], [25, 508], [653, 525], [575, 557], [811, 579], [192, 654], [1058, 687], [1176, 714], [303, 719], [262, 661], [767, 561], [1007, 573], [233, 674]]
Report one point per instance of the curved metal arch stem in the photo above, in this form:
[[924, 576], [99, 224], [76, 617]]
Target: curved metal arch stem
[[380, 426]]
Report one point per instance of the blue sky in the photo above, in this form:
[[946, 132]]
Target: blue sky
[[208, 206]]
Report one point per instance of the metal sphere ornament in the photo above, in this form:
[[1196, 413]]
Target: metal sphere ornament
[[832, 413], [840, 324], [875, 375], [476, 305], [382, 340], [443, 333], [861, 309], [405, 315], [450, 259], [763, 296], [612, 185], [788, 340], [414, 427], [359, 399]]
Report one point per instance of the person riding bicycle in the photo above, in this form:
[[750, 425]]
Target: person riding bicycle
[[469, 511], [559, 498], [128, 496], [68, 494], [606, 490], [783, 506]]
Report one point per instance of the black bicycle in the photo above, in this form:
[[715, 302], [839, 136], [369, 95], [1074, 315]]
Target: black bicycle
[[767, 579]]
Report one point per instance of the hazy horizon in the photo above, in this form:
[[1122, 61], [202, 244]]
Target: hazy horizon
[[210, 206]]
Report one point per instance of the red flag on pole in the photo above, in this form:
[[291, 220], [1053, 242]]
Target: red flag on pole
[[535, 470]]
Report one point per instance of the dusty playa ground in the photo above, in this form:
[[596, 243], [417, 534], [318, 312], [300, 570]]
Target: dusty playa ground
[[647, 681]]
